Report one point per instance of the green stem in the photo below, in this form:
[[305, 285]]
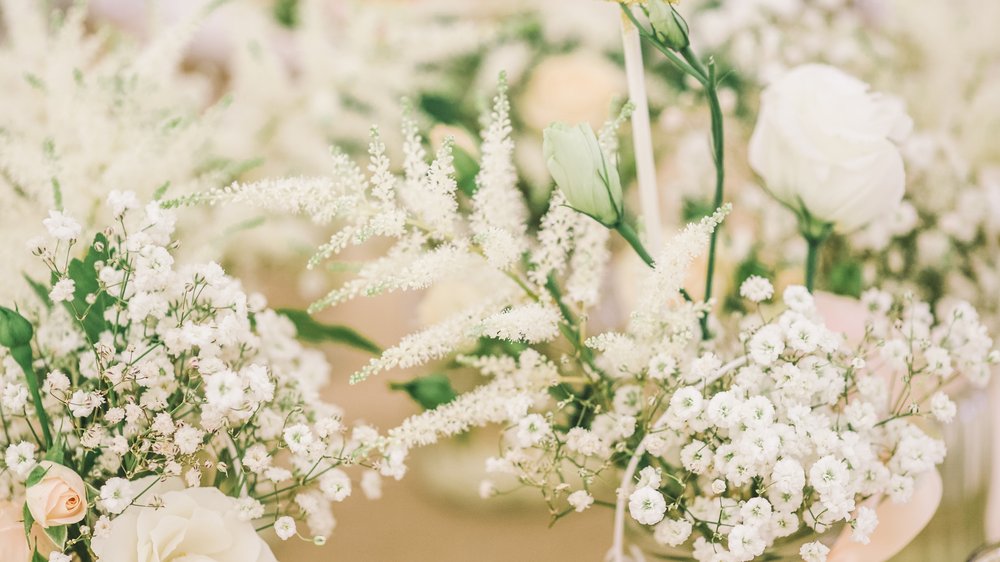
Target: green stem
[[718, 150], [22, 354], [815, 232], [632, 237], [812, 260]]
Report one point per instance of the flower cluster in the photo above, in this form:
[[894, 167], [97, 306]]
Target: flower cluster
[[141, 388]]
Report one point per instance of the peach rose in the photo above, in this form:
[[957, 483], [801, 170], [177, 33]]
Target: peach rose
[[60, 498]]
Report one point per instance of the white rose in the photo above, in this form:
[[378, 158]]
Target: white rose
[[193, 523], [825, 146]]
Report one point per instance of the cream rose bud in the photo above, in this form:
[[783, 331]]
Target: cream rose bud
[[582, 171], [826, 146], [59, 498]]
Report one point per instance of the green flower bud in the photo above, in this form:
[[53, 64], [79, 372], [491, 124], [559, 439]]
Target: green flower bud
[[582, 171], [668, 24], [15, 330]]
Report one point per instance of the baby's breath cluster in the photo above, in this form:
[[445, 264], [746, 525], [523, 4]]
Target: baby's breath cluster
[[159, 384]]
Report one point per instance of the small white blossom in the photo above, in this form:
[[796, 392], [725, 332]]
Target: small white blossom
[[756, 289], [116, 494], [814, 552], [943, 408], [580, 500], [864, 524], [672, 532], [647, 506], [62, 291], [62, 226], [284, 527]]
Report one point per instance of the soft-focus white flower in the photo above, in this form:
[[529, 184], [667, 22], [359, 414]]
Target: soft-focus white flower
[[672, 532], [580, 500], [61, 226], [284, 527], [864, 524], [756, 289], [532, 429], [647, 506], [116, 495], [195, 522], [335, 485], [814, 552], [943, 408], [62, 291], [745, 542], [826, 146]]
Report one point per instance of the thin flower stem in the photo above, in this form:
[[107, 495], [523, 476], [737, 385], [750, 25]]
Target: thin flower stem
[[632, 237], [718, 150], [689, 63]]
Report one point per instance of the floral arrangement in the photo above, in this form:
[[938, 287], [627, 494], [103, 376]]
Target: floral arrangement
[[142, 399], [151, 409], [746, 433]]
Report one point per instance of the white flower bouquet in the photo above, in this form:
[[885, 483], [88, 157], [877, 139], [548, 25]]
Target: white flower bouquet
[[151, 410]]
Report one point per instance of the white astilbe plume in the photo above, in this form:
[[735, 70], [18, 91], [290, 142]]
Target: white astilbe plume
[[588, 262], [530, 323], [499, 212], [312, 196], [555, 240], [427, 345], [507, 398], [662, 287], [433, 201], [607, 137], [407, 267]]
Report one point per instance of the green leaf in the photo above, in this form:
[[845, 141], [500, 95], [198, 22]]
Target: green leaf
[[441, 107], [287, 12], [15, 330], [56, 452], [36, 475], [846, 279], [41, 290], [430, 391], [28, 522], [312, 331], [84, 275], [37, 557], [57, 535]]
